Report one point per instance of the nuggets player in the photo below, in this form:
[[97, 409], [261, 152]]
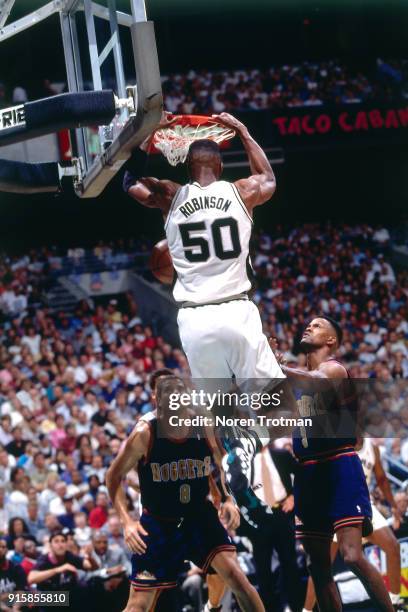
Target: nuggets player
[[208, 224], [331, 493], [178, 522], [382, 536]]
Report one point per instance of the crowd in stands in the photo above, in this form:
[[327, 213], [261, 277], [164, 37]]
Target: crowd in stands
[[73, 384], [301, 85], [25, 277], [343, 272], [304, 84]]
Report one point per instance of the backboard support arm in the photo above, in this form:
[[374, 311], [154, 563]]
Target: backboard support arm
[[146, 93]]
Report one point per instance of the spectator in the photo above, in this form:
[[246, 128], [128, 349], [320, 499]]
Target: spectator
[[82, 531], [401, 529], [114, 531], [99, 515], [4, 513], [56, 505], [12, 576], [6, 435], [58, 569], [39, 471], [17, 445], [67, 519], [18, 498], [16, 555], [109, 582], [30, 556], [17, 528], [110, 560], [35, 524]]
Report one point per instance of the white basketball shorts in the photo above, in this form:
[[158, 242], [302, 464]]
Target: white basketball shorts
[[225, 339]]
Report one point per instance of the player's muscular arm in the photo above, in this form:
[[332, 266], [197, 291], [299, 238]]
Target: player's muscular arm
[[128, 457], [307, 378], [261, 185], [154, 193]]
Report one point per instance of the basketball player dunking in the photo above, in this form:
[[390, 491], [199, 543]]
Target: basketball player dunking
[[178, 522], [331, 493], [208, 224]]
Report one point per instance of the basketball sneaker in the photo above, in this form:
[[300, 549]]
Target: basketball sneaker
[[242, 444]]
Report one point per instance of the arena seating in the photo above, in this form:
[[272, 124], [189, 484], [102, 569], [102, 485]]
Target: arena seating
[[72, 385]]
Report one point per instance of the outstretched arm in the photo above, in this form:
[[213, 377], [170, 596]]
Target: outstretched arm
[[128, 457], [149, 192], [260, 187], [154, 193], [325, 373]]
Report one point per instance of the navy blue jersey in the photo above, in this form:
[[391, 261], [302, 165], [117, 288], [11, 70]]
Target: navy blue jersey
[[173, 477], [334, 420]]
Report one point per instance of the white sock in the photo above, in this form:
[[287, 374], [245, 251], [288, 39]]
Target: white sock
[[395, 597], [306, 610]]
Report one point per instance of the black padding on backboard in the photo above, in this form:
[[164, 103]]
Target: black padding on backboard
[[70, 110], [19, 177]]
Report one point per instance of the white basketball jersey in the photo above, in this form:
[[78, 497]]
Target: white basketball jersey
[[367, 456], [208, 231]]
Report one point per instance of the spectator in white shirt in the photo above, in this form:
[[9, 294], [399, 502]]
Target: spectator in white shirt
[[56, 505], [33, 341], [5, 429], [373, 337], [82, 531], [4, 512], [381, 235]]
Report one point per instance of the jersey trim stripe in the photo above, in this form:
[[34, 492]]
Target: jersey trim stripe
[[139, 586], [151, 441], [241, 202], [337, 455], [215, 552], [172, 207], [250, 273]]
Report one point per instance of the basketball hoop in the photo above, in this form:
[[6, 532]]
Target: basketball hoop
[[175, 140]]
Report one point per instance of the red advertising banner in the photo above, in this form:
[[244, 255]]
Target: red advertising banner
[[350, 124]]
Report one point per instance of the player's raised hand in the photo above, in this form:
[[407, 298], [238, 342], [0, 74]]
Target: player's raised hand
[[165, 120], [133, 531], [153, 184], [229, 121], [229, 515], [273, 343]]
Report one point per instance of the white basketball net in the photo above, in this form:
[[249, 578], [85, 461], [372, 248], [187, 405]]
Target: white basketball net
[[174, 141]]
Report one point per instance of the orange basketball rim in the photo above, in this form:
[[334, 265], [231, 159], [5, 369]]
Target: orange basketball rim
[[175, 139]]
